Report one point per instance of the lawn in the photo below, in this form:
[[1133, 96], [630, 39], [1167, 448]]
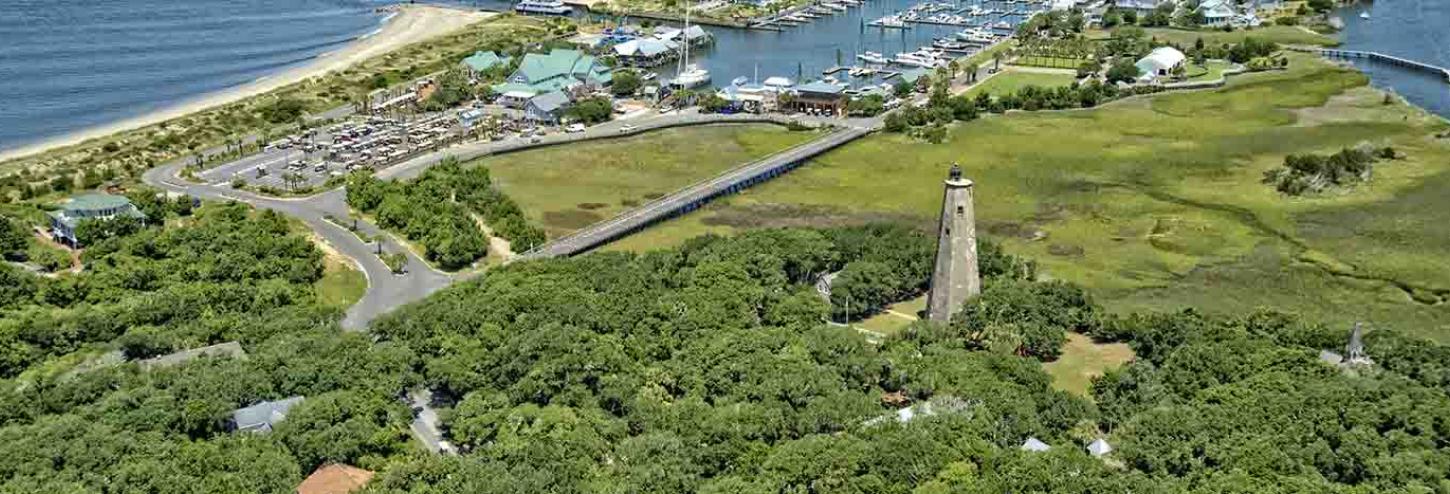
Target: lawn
[[1212, 70], [1284, 35], [565, 188], [1155, 202], [1010, 81], [1082, 360], [342, 284]]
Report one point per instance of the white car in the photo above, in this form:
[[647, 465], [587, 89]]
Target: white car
[[574, 128], [627, 128]]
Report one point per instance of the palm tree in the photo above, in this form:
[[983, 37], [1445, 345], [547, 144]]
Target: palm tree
[[997, 62], [972, 69], [953, 66]]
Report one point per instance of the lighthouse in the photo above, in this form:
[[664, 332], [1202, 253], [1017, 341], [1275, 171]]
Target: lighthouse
[[955, 278]]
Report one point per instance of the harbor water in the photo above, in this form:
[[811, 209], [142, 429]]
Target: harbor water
[[1412, 29]]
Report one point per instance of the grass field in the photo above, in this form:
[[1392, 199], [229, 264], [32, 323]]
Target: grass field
[[1155, 202], [342, 284], [1082, 360], [1212, 70], [1284, 35], [1009, 81], [565, 188]]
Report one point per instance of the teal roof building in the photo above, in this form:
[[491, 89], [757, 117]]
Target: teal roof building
[[557, 70], [482, 61], [63, 221]]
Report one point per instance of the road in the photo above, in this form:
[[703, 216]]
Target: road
[[425, 422]]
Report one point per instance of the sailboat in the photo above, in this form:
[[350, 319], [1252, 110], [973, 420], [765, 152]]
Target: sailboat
[[689, 75]]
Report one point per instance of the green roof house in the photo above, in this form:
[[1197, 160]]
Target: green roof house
[[482, 61], [915, 76], [63, 221], [557, 70]]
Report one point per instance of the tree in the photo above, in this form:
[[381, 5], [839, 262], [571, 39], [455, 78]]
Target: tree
[[1123, 70], [625, 83], [14, 237]]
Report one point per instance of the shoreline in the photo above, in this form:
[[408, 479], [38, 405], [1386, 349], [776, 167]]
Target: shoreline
[[408, 24]]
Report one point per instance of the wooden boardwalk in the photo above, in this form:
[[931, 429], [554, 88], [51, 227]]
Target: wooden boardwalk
[[1389, 59], [693, 197]]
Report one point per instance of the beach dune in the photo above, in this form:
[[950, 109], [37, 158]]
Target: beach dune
[[411, 24]]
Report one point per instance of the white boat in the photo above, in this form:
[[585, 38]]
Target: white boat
[[689, 76], [1002, 25], [834, 6], [1364, 15], [946, 44], [873, 57], [976, 35], [920, 58], [550, 7], [739, 81], [893, 21]]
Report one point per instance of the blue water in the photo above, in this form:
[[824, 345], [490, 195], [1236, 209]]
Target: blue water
[[1414, 29], [67, 65]]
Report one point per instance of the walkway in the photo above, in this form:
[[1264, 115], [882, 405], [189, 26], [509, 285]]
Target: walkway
[[694, 196]]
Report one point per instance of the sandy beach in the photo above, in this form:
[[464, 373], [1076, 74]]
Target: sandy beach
[[410, 24]]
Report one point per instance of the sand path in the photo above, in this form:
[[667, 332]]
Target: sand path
[[411, 24]]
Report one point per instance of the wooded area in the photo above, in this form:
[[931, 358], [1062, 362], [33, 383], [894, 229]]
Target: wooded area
[[704, 368]]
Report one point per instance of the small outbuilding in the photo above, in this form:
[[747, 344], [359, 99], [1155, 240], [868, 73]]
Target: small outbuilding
[[1034, 445], [483, 61], [335, 479], [262, 417], [1099, 448], [1159, 63], [547, 107], [821, 98]]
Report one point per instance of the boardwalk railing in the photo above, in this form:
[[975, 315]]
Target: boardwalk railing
[[692, 197], [1389, 59]]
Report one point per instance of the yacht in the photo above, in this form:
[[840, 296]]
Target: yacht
[[976, 35], [835, 7], [689, 76], [890, 21], [1364, 15], [946, 44], [873, 57], [551, 7], [920, 58]]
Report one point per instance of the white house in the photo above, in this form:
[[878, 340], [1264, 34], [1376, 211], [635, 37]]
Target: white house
[[1218, 13], [1159, 63]]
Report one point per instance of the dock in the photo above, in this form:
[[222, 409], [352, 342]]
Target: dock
[[1389, 59]]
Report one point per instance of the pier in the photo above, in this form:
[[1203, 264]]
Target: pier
[[1389, 59], [693, 197]]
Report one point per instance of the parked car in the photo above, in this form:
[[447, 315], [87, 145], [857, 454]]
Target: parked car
[[574, 128], [627, 128]]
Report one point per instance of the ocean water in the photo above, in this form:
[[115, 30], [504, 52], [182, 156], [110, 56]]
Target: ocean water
[[1414, 29], [68, 65]]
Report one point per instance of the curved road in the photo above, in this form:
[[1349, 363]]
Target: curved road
[[387, 291]]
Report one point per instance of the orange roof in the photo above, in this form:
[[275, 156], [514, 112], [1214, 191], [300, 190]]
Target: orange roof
[[335, 479]]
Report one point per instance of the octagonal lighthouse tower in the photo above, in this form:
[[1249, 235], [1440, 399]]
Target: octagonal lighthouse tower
[[955, 279]]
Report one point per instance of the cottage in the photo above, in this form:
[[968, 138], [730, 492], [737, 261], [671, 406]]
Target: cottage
[[556, 71], [101, 207], [547, 108], [645, 52], [335, 479], [264, 416], [1141, 7], [1099, 448], [1218, 13], [1159, 63], [821, 98], [1034, 445], [483, 61]]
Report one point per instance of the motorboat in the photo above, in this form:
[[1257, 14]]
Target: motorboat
[[893, 21], [739, 81], [873, 57], [920, 58], [1364, 15], [550, 7], [946, 44], [976, 35]]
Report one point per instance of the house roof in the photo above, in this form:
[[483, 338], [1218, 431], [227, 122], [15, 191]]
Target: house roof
[[1217, 8], [550, 102], [335, 479], [778, 81], [263, 416], [1161, 58], [911, 75], [1099, 447], [666, 32], [95, 202], [645, 47], [1032, 444], [821, 87], [695, 32], [484, 60]]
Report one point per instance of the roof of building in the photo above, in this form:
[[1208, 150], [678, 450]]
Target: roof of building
[[666, 32], [335, 479], [778, 81], [1032, 444], [911, 75], [1161, 58], [228, 349], [1217, 8], [559, 63], [550, 102], [484, 60], [643, 47], [263, 416], [821, 87], [1099, 447], [95, 202], [695, 32]]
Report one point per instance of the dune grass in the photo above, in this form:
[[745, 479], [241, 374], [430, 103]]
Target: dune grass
[[565, 188], [1082, 360], [1155, 202]]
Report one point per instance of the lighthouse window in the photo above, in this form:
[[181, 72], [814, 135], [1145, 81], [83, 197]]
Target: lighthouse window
[[960, 210]]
